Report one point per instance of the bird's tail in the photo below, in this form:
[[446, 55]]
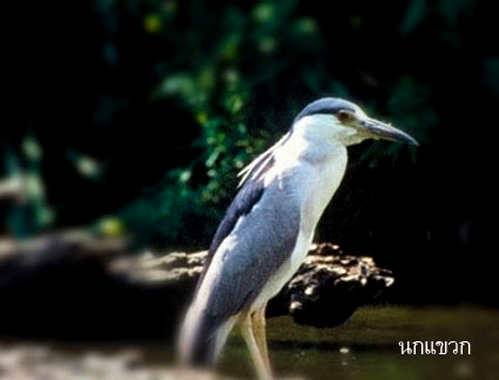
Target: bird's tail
[[201, 338], [196, 343]]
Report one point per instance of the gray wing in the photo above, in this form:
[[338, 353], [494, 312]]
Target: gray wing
[[264, 224]]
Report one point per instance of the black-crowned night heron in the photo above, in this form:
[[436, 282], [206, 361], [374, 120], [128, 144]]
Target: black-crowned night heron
[[269, 227]]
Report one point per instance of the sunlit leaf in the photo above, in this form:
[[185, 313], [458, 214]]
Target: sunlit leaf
[[152, 23], [31, 148]]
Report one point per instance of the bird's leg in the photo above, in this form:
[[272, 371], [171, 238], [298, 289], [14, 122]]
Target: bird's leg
[[262, 370], [259, 323]]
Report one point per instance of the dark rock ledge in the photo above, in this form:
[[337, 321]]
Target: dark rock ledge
[[74, 286]]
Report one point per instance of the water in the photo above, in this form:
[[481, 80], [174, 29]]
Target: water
[[363, 348], [366, 346]]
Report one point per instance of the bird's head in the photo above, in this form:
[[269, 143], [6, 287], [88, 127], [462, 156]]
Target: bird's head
[[344, 122]]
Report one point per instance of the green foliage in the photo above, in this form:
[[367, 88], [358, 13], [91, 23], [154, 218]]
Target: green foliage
[[221, 82], [240, 57], [491, 73], [31, 211], [450, 10], [416, 11]]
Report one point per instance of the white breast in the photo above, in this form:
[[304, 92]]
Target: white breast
[[313, 175]]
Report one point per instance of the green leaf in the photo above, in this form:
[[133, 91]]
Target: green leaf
[[415, 13]]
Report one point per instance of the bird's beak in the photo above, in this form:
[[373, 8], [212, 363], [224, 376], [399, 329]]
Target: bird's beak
[[380, 130]]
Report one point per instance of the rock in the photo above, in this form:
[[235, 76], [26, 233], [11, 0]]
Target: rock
[[74, 286], [325, 291], [329, 286]]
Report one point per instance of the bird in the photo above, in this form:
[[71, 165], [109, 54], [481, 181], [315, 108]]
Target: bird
[[269, 226]]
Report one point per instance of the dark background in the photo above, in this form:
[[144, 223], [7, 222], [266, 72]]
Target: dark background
[[133, 117]]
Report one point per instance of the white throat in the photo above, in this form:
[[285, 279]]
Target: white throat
[[321, 128]]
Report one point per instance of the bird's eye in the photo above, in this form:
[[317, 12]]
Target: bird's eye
[[344, 116]]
